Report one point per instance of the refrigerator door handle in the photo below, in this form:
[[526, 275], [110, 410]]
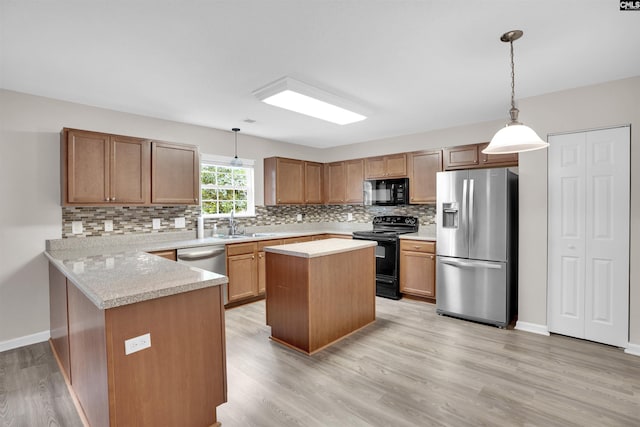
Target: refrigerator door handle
[[465, 219], [471, 225], [471, 263]]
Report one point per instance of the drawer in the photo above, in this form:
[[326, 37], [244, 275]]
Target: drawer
[[241, 248], [297, 239], [263, 243], [417, 246]]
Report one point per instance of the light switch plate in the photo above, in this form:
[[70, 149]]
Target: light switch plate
[[179, 222], [137, 343], [76, 227], [108, 225], [156, 223], [299, 217], [349, 216]]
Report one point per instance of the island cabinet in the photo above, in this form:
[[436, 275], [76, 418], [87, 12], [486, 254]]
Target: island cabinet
[[390, 166], [423, 167], [418, 268], [179, 379], [175, 170], [343, 181], [319, 292], [99, 168]]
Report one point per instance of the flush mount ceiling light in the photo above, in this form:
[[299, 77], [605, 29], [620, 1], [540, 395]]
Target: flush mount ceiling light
[[514, 137], [236, 161], [302, 98]]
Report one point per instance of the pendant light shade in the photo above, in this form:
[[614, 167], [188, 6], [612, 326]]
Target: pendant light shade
[[514, 137], [236, 161]]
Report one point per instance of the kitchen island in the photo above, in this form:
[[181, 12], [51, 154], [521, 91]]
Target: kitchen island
[[139, 339], [319, 292]]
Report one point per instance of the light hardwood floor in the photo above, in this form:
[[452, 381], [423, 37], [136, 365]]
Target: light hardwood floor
[[410, 368]]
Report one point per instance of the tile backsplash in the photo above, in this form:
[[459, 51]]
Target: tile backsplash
[[139, 219]]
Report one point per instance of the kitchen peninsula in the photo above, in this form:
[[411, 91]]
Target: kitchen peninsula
[[140, 339], [319, 292]]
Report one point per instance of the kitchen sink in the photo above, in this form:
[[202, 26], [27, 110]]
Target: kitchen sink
[[263, 234], [233, 236]]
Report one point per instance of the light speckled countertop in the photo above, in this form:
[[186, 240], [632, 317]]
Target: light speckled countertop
[[320, 248], [420, 235], [116, 278], [116, 270]]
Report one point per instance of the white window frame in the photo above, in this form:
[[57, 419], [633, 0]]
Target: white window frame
[[210, 159]]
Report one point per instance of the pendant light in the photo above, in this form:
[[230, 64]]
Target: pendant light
[[236, 161], [514, 137]]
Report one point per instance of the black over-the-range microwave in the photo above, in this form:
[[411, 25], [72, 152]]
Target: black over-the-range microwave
[[386, 192]]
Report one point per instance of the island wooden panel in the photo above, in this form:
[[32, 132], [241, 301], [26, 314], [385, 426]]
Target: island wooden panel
[[313, 302], [180, 379], [88, 356], [58, 318]]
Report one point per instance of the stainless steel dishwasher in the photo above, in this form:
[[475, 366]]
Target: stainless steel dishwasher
[[211, 258]]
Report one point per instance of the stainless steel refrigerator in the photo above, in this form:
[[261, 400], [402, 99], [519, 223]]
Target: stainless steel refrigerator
[[477, 244]]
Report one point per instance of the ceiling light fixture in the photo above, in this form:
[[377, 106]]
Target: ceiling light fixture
[[514, 137], [302, 98], [236, 161]]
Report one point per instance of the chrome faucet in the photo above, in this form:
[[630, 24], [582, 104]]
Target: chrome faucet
[[233, 226]]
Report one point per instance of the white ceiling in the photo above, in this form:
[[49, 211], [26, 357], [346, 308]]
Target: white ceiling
[[418, 65]]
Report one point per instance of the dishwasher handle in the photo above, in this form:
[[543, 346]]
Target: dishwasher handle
[[197, 255]]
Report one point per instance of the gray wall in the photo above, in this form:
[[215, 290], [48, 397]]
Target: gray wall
[[29, 176]]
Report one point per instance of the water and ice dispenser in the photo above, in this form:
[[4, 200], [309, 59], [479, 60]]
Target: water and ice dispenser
[[450, 215]]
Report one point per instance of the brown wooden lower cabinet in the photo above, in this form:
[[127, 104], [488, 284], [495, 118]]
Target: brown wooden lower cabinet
[[168, 254], [179, 380], [418, 268]]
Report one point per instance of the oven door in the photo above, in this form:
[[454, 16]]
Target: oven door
[[387, 257]]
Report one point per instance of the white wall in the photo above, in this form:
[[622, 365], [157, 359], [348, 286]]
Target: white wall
[[30, 188], [29, 174]]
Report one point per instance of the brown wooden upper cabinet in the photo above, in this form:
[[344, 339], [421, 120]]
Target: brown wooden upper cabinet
[[496, 159], [470, 156], [423, 167], [99, 168], [391, 166], [175, 174], [343, 181], [313, 182], [461, 157], [284, 182]]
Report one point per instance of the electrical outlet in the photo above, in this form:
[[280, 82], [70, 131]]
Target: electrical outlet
[[76, 227], [109, 263], [179, 222], [349, 216], [299, 217], [108, 225], [156, 223], [136, 344]]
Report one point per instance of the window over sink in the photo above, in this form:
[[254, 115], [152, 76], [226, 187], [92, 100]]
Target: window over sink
[[225, 188]]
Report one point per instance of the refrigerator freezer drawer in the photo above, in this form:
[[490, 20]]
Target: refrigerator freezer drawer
[[471, 289]]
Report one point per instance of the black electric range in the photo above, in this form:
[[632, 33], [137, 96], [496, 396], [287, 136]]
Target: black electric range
[[386, 231]]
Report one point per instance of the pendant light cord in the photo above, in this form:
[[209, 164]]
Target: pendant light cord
[[513, 79]]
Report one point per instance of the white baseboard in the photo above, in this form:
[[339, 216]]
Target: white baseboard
[[633, 349], [534, 328], [25, 340]]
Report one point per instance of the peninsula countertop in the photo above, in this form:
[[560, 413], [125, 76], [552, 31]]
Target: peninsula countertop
[[117, 278], [318, 248]]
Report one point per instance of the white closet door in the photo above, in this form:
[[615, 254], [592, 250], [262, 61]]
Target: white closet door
[[589, 235], [566, 234], [607, 234]]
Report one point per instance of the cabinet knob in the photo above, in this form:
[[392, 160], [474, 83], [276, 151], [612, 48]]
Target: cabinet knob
[[431, 257], [106, 199], [416, 247], [195, 200], [253, 257], [113, 199]]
